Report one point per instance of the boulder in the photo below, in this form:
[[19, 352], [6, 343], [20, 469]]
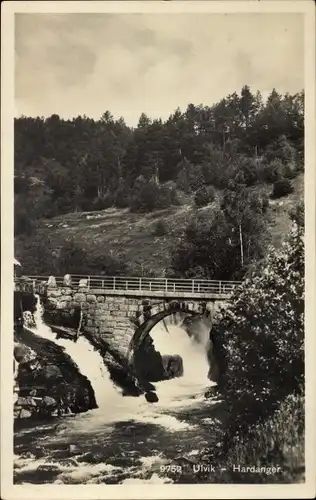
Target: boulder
[[151, 397], [48, 380], [22, 353], [173, 366], [28, 319], [52, 371], [48, 401]]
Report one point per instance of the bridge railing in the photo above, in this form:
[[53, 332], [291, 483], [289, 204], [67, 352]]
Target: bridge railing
[[173, 285]]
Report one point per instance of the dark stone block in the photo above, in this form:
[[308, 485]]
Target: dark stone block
[[151, 397]]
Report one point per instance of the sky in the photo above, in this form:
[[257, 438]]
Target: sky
[[85, 64]]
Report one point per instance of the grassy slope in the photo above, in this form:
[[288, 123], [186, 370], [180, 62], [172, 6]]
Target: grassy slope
[[123, 232]]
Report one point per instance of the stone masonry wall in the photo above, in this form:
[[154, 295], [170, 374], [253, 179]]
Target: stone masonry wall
[[114, 317]]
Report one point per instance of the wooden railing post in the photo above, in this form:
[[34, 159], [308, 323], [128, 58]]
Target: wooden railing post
[[88, 282], [220, 287], [114, 283], [166, 285], [192, 286], [140, 283]]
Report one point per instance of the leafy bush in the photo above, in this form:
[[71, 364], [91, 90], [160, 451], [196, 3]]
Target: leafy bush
[[289, 170], [271, 172], [106, 264], [122, 196], [190, 177], [283, 187], [279, 440], [297, 214], [204, 250], [280, 149], [203, 196], [160, 228], [260, 337], [72, 259], [148, 196], [246, 171], [37, 254], [23, 224], [103, 202]]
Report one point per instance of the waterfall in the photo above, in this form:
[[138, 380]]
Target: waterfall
[[173, 394], [193, 350], [88, 360]]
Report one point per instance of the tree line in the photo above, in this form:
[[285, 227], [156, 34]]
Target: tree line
[[85, 164]]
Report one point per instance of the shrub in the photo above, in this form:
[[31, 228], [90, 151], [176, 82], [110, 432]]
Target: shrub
[[272, 172], [190, 177], [260, 337], [203, 196], [148, 196], [246, 170], [145, 199], [23, 224], [106, 264], [278, 440], [160, 228], [72, 259], [103, 202], [289, 170], [37, 255], [122, 196], [282, 187], [281, 149]]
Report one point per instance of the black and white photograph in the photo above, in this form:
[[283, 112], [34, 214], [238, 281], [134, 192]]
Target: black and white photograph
[[159, 254]]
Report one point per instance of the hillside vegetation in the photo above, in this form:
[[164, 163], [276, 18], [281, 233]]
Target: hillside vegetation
[[134, 237], [200, 194]]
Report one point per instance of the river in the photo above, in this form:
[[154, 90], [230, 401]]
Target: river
[[126, 440]]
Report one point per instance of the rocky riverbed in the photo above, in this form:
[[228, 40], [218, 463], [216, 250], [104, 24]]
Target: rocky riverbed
[[47, 380]]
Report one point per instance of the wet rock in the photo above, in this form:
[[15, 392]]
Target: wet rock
[[39, 452], [21, 353], [25, 402], [52, 371], [48, 381], [23, 413], [211, 392], [28, 319], [151, 397], [73, 449], [48, 401], [148, 362], [173, 366]]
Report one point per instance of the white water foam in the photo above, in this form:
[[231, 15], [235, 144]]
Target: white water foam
[[88, 360], [173, 394]]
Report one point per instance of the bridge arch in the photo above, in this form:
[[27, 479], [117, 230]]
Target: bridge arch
[[149, 318]]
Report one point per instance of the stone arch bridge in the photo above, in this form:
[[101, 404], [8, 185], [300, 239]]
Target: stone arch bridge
[[121, 311], [127, 308]]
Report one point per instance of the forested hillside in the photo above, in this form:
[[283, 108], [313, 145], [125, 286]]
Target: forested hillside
[[213, 174]]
